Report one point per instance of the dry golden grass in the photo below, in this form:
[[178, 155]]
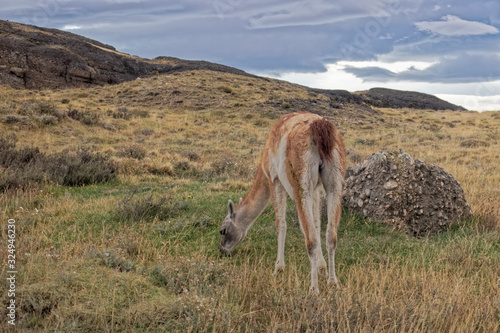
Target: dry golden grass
[[195, 138]]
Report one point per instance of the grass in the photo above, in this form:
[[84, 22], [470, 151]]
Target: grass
[[140, 251]]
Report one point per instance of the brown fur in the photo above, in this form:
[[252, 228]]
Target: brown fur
[[323, 133], [300, 172]]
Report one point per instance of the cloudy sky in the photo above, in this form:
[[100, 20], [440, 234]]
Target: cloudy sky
[[447, 48]]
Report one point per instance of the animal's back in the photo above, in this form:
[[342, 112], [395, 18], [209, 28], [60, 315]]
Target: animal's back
[[297, 141], [301, 129]]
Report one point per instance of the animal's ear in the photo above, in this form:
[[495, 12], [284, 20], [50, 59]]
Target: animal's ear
[[230, 208]]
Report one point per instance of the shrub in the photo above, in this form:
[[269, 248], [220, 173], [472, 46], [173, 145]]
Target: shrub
[[141, 114], [147, 132], [88, 118], [191, 155], [364, 142], [48, 120], [122, 113], [133, 151], [40, 107], [111, 259], [85, 168], [147, 207], [15, 119], [74, 114], [473, 143], [28, 166], [226, 89]]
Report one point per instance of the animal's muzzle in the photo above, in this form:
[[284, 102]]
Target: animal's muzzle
[[224, 251]]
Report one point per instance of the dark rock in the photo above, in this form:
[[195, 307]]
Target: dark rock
[[42, 58], [419, 197], [397, 99]]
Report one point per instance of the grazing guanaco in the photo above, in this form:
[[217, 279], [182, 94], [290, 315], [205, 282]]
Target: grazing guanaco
[[304, 157]]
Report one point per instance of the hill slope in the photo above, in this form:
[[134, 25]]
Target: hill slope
[[41, 58]]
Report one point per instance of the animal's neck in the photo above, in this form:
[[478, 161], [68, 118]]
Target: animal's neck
[[254, 203]]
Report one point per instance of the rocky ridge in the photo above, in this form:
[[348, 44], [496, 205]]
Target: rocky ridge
[[41, 58]]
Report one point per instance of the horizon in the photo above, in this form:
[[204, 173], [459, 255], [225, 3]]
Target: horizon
[[447, 50]]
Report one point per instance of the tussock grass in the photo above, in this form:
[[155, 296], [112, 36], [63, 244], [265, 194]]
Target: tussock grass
[[140, 253]]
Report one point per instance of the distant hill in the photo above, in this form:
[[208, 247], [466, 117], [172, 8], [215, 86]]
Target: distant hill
[[40, 58], [396, 99]]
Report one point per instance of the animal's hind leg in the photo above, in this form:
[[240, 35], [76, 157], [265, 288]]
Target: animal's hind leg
[[317, 223], [304, 205], [333, 179], [279, 201]]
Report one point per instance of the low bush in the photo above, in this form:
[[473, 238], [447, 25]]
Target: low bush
[[28, 166], [88, 118], [48, 120], [15, 119], [474, 143], [148, 207], [133, 151]]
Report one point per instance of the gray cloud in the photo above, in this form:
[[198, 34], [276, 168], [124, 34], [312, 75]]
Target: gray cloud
[[451, 25], [457, 69]]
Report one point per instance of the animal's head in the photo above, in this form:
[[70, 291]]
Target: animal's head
[[230, 234]]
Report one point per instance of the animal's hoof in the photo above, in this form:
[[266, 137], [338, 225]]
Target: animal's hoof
[[333, 282], [278, 269], [314, 290]]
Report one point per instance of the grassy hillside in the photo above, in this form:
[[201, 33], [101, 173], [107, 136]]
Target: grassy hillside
[[138, 251]]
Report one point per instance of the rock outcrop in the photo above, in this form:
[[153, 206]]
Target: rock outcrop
[[419, 197], [41, 58], [397, 99]]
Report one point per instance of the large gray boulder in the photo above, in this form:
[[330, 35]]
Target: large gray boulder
[[418, 197]]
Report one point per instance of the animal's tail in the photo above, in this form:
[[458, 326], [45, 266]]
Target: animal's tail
[[324, 134]]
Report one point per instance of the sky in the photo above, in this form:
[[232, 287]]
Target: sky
[[450, 49]]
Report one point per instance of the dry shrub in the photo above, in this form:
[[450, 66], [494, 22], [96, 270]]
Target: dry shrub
[[225, 163], [191, 155], [182, 166], [88, 118], [148, 207], [28, 166], [131, 166], [474, 143], [48, 120], [159, 168], [41, 107], [39, 299], [11, 119], [111, 259], [133, 151], [122, 113]]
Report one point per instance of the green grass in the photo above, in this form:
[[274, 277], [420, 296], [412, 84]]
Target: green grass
[[83, 268], [140, 251]]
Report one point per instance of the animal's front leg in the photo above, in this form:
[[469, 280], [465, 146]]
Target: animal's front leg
[[279, 201]]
